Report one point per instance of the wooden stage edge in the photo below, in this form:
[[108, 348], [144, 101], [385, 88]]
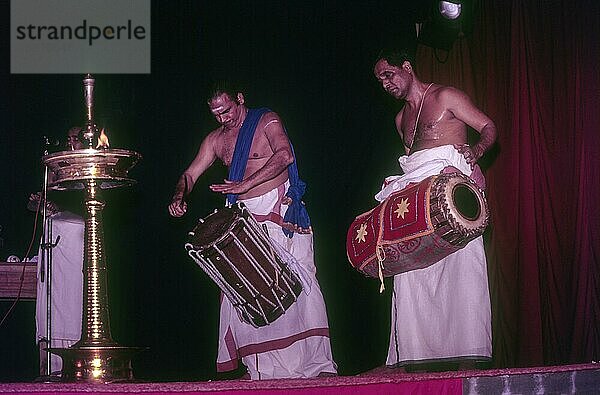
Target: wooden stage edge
[[570, 379]]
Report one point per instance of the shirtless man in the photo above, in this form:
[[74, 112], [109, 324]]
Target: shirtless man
[[440, 313], [445, 112], [297, 344], [267, 164]]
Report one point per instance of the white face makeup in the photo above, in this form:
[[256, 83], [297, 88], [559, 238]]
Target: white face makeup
[[225, 110]]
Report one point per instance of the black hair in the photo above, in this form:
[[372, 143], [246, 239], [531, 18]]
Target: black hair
[[396, 57], [224, 87]]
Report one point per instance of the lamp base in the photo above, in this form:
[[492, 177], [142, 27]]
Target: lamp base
[[97, 364]]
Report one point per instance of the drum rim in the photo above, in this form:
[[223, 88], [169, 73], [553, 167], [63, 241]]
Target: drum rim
[[236, 216], [468, 225]]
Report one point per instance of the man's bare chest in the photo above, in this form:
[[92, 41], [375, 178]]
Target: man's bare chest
[[224, 145], [428, 124], [259, 149]]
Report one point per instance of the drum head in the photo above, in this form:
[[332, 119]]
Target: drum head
[[466, 204], [211, 229]]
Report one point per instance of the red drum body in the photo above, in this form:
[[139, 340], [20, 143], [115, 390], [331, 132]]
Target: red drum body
[[237, 254], [417, 226]]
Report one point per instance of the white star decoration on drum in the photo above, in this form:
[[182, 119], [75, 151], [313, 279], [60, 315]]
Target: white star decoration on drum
[[402, 208], [361, 233]]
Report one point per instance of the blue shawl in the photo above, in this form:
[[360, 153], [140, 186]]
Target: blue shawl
[[296, 212]]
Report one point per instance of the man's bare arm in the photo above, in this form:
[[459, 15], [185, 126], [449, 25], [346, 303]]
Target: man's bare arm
[[398, 121], [487, 137], [203, 160], [463, 109]]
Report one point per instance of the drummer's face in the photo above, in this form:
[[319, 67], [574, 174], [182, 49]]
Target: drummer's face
[[395, 80], [226, 110]]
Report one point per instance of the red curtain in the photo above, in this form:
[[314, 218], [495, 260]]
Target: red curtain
[[533, 67]]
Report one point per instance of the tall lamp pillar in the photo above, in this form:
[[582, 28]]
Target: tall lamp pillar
[[96, 357]]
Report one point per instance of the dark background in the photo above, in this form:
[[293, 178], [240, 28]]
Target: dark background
[[309, 61]]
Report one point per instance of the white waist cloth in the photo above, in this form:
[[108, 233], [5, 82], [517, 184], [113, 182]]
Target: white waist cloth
[[297, 344], [67, 284], [442, 311], [422, 164]]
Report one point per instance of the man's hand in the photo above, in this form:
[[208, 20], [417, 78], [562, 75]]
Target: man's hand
[[296, 228], [471, 154], [234, 187], [286, 200], [178, 207]]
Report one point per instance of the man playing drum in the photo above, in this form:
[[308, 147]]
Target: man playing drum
[[440, 313], [253, 144]]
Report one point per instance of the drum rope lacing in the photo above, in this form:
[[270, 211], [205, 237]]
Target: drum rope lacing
[[380, 252], [261, 295]]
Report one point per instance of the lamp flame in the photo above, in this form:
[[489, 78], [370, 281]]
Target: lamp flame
[[102, 140]]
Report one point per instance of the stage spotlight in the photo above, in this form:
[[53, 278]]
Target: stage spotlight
[[442, 22], [450, 9]]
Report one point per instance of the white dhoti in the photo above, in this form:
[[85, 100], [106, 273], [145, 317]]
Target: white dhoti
[[441, 312], [67, 285], [297, 344]]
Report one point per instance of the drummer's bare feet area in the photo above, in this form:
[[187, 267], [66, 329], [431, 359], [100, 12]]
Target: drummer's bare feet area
[[384, 370], [246, 375], [327, 374], [430, 367]]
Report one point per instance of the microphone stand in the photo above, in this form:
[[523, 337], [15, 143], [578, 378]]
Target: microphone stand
[[46, 247]]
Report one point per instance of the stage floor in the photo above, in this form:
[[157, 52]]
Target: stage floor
[[568, 379]]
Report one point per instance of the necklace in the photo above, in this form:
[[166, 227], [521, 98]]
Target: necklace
[[417, 120]]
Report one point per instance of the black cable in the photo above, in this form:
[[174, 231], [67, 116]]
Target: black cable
[[22, 279]]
